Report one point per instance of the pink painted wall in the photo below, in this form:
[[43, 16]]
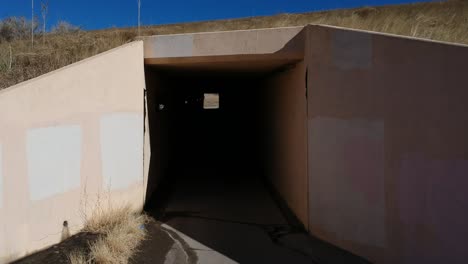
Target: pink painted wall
[[70, 140], [388, 160]]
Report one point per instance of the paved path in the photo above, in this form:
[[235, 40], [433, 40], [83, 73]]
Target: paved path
[[233, 219], [166, 245]]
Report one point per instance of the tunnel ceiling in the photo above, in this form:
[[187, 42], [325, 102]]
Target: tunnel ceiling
[[257, 63]]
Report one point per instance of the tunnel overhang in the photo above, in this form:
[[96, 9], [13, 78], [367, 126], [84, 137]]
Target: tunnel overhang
[[241, 42], [243, 50]]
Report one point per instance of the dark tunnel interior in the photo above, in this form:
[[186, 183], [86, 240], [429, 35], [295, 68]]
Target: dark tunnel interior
[[208, 142], [210, 169], [213, 168], [191, 142]]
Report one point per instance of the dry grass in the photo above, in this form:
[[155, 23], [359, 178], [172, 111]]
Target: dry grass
[[444, 21], [76, 257], [56, 52], [121, 232]]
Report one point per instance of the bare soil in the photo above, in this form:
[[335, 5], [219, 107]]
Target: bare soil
[[152, 250], [58, 253]]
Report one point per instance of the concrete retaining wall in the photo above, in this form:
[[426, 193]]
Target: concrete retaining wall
[[70, 140], [388, 160]]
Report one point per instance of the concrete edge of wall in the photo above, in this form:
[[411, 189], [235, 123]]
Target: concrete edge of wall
[[313, 24], [391, 35], [18, 85], [222, 31]]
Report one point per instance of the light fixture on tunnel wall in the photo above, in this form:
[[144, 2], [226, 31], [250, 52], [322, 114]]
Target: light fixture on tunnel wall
[[211, 101]]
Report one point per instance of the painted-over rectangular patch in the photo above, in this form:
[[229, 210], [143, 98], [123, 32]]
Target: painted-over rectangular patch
[[351, 50], [54, 160], [122, 149], [172, 46], [346, 185]]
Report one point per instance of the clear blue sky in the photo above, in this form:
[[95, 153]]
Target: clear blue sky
[[96, 14]]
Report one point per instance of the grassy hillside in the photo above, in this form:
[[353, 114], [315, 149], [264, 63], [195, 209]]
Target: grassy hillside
[[444, 21]]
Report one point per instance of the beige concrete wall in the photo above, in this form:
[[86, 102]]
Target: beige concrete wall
[[388, 160], [286, 111], [70, 140]]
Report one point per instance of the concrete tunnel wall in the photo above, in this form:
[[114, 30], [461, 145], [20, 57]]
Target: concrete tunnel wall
[[388, 160], [286, 112], [70, 141]]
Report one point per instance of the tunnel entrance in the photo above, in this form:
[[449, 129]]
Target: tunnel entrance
[[209, 165], [229, 155]]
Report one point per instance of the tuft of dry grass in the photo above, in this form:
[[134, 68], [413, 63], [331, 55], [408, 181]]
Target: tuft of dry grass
[[121, 232], [76, 257], [443, 21]]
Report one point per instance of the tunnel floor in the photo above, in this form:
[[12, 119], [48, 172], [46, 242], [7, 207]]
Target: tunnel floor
[[239, 217]]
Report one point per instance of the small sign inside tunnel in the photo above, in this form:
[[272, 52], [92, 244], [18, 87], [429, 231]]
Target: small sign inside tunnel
[[211, 101]]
